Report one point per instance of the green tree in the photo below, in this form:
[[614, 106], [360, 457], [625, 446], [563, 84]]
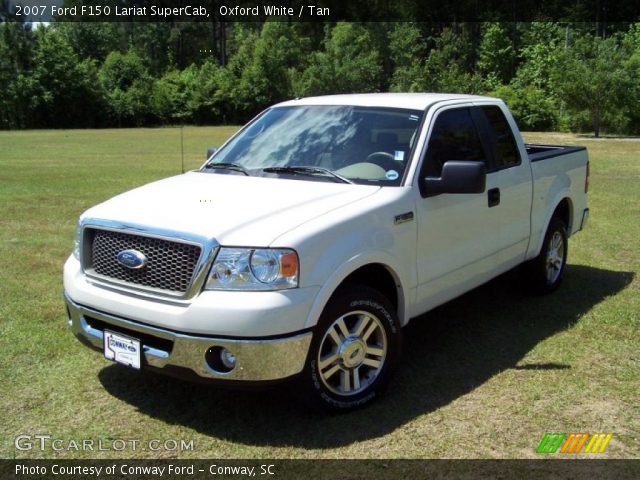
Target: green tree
[[64, 90], [92, 40], [407, 50], [350, 62], [594, 76], [533, 109], [268, 74], [128, 88], [632, 43], [543, 44], [209, 100], [243, 42], [17, 44], [496, 56], [171, 94], [445, 69]]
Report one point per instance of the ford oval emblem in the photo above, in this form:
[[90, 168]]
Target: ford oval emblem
[[132, 259]]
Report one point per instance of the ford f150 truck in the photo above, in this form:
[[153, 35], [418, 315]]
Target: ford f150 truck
[[311, 237]]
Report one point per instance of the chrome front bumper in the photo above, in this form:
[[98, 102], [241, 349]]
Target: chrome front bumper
[[256, 360]]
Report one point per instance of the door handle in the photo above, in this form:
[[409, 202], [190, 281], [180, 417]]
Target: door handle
[[493, 197]]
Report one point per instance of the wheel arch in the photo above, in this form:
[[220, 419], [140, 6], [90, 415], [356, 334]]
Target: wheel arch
[[564, 211], [372, 272]]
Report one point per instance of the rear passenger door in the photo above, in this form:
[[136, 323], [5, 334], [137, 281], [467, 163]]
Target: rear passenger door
[[465, 239], [509, 181]]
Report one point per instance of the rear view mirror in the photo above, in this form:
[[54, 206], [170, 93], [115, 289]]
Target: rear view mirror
[[211, 151], [457, 177]]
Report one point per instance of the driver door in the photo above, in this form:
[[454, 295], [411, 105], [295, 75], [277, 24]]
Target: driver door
[[460, 240]]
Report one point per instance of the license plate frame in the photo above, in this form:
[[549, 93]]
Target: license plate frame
[[122, 349]]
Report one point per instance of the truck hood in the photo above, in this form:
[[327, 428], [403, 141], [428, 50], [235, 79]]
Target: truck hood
[[233, 209]]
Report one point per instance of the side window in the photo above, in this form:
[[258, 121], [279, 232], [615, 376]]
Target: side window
[[506, 150], [454, 137]]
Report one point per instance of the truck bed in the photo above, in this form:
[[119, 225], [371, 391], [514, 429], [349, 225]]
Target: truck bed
[[539, 152]]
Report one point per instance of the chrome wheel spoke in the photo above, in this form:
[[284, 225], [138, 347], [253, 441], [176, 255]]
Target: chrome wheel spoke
[[328, 360], [371, 362], [370, 330], [330, 372], [345, 381], [356, 378], [376, 351], [363, 322], [557, 241], [343, 328], [335, 336]]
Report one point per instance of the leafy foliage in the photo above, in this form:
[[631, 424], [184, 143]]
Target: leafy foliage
[[596, 75], [349, 62], [407, 54], [531, 106], [552, 76], [445, 68], [127, 84], [496, 54]]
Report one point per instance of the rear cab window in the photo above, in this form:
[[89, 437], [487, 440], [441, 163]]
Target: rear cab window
[[500, 134]]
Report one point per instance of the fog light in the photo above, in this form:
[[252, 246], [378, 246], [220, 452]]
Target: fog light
[[227, 358], [220, 359]]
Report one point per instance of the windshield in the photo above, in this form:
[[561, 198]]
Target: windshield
[[369, 145]]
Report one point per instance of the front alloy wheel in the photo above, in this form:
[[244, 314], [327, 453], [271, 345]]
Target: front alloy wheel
[[354, 349], [352, 353]]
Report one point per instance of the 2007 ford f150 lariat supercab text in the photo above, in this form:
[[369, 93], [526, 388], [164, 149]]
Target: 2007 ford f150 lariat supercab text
[[311, 237]]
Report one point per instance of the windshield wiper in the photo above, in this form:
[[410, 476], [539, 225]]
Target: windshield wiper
[[307, 171], [228, 166]]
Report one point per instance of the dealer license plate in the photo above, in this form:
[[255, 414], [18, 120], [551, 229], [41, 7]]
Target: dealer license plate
[[122, 349]]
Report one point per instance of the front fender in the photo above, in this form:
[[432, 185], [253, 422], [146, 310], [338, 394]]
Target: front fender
[[360, 260]]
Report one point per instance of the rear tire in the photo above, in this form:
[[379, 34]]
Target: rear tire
[[355, 347], [544, 273]]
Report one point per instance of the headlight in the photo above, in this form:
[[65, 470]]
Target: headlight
[[77, 240], [254, 269]]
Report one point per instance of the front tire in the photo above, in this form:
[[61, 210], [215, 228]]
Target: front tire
[[544, 273], [354, 349]]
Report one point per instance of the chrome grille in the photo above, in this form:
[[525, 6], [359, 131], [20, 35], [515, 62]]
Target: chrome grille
[[170, 265]]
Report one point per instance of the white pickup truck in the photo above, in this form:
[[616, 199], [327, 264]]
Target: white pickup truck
[[311, 237]]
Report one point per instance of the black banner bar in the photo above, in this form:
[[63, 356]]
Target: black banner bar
[[443, 11], [578, 468]]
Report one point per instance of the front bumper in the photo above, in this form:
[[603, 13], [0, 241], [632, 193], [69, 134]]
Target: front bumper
[[256, 360]]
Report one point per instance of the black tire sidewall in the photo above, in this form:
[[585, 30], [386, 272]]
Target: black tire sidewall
[[344, 301]]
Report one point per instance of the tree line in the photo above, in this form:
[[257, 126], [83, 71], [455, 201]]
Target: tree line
[[554, 76]]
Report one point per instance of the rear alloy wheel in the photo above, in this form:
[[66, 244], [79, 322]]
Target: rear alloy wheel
[[353, 351], [554, 260], [544, 273]]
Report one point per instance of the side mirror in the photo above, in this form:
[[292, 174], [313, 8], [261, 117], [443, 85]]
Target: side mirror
[[457, 177], [211, 151]]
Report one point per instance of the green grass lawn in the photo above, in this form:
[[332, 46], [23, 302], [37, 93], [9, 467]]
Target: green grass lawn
[[483, 376]]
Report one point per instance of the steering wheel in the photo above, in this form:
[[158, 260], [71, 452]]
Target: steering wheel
[[384, 160]]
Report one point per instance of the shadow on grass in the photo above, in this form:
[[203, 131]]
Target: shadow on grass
[[448, 352]]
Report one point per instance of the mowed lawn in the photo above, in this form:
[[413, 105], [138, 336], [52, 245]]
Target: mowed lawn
[[483, 376]]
